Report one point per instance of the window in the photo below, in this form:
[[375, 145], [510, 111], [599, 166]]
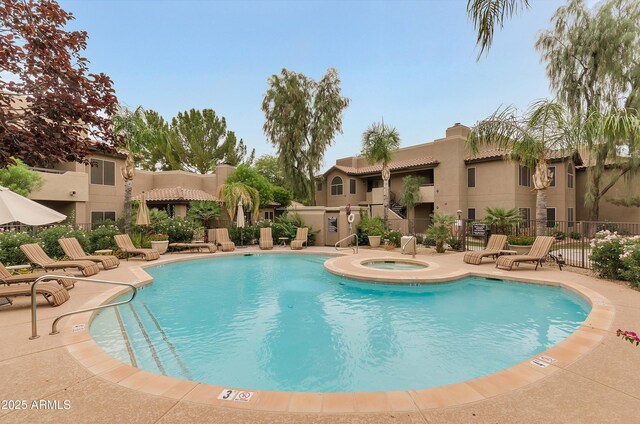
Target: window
[[103, 172], [268, 215], [526, 217], [98, 216], [551, 217], [553, 176], [570, 217], [371, 184], [319, 185], [471, 214], [570, 176], [524, 176], [336, 186], [471, 177], [352, 186]]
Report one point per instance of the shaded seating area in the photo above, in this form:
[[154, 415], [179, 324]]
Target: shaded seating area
[[52, 292], [223, 240], [495, 244], [38, 257], [7, 278], [266, 239], [537, 254], [126, 246], [301, 239], [73, 250], [191, 247]]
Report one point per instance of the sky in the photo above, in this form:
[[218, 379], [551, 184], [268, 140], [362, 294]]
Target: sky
[[412, 63]]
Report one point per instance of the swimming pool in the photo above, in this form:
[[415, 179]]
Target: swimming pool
[[281, 322], [395, 265]]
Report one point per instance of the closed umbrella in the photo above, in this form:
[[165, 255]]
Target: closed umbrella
[[143, 212], [16, 208], [240, 221]]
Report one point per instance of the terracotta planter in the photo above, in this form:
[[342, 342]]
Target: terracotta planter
[[161, 246], [522, 250], [374, 241]]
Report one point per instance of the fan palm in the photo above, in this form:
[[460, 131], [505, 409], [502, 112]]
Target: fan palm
[[379, 143], [234, 193], [502, 218]]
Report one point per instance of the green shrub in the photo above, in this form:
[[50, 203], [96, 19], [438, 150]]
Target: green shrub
[[179, 230], [246, 236], [369, 226], [394, 237], [429, 241], [606, 251], [521, 240], [575, 235], [10, 241], [454, 243], [49, 239], [287, 226], [101, 237], [631, 263]]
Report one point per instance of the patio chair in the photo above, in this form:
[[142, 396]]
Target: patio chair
[[539, 251], [209, 247], [266, 239], [126, 246], [73, 250], [301, 238], [494, 246], [223, 240], [7, 278], [38, 257], [54, 294]]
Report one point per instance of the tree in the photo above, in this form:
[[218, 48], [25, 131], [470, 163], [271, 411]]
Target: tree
[[486, 14], [200, 141], [593, 63], [52, 108], [19, 178], [302, 117], [236, 192], [282, 196], [155, 151], [379, 143], [203, 212], [502, 218], [440, 229], [269, 167], [410, 195], [530, 139], [250, 177]]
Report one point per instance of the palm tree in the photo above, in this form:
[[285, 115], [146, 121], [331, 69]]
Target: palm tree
[[440, 229], [486, 14], [234, 193], [530, 139], [502, 218], [379, 143]]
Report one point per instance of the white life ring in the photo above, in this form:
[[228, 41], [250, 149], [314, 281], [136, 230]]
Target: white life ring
[[350, 218]]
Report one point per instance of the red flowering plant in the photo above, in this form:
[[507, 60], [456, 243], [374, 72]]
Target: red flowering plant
[[629, 336]]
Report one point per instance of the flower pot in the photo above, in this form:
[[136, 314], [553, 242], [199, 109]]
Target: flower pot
[[374, 241], [522, 250], [161, 246]]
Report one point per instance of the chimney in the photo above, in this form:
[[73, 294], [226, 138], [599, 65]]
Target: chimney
[[458, 130]]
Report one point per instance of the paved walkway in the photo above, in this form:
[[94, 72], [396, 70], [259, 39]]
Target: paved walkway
[[601, 386]]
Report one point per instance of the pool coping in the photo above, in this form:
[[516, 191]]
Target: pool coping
[[88, 353]]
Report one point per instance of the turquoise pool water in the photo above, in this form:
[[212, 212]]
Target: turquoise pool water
[[396, 266], [281, 322]]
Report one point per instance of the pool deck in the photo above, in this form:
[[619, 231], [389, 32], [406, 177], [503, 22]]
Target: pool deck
[[594, 379]]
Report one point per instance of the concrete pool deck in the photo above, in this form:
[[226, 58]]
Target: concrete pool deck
[[595, 378]]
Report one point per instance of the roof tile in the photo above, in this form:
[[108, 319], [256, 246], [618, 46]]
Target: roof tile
[[175, 193]]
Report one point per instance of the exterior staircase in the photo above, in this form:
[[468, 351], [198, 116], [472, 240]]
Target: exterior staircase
[[396, 207]]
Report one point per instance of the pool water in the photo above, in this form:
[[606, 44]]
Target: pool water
[[281, 322], [394, 265]]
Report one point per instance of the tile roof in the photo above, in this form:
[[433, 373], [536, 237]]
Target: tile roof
[[500, 153], [393, 166], [175, 193]]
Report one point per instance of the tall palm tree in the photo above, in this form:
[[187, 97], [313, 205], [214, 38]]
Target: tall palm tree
[[486, 14], [236, 192], [530, 139], [379, 143]]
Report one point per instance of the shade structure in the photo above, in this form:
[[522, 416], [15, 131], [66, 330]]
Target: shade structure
[[16, 208], [240, 216], [143, 212]]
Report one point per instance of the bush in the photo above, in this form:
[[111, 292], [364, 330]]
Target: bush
[[428, 241], [369, 226], [247, 235], [575, 235], [394, 237], [559, 235], [454, 243], [179, 230], [287, 226], [606, 251], [521, 240], [10, 241], [101, 237], [49, 239], [631, 263]]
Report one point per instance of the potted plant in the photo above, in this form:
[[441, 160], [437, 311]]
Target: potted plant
[[521, 244], [373, 228], [159, 242]]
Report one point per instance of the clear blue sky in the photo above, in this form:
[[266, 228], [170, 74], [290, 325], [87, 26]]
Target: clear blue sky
[[411, 62]]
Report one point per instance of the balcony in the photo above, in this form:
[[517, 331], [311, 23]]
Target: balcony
[[62, 186]]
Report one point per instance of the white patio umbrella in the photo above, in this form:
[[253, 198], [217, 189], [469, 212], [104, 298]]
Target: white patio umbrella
[[143, 212], [16, 208], [240, 221]]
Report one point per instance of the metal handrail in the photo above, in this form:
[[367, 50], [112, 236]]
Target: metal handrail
[[411, 237], [355, 249], [34, 324]]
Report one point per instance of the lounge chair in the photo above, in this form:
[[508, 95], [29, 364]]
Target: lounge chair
[[494, 246], [7, 278], [301, 238], [223, 240], [126, 245], [210, 247], [73, 250], [38, 257], [266, 238], [54, 294], [539, 251]]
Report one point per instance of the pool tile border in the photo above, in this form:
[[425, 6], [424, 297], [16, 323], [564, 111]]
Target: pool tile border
[[84, 349]]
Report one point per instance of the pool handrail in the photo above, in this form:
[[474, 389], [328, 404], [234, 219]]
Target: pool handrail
[[355, 249], [47, 277]]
